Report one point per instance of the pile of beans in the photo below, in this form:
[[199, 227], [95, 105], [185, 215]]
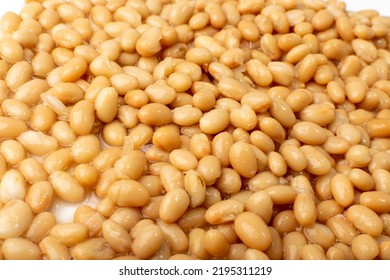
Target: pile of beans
[[207, 129]]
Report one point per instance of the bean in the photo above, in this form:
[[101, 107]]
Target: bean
[[312, 252], [320, 234], [195, 186], [365, 220], [66, 186], [378, 201], [59, 160], [69, 234], [292, 244], [216, 243], [54, 250], [15, 218], [174, 205], [176, 237], [294, 157], [242, 159], [344, 231], [20, 249], [224, 211], [131, 166], [272, 128], [384, 250], [183, 160], [305, 210], [281, 194], [40, 226], [40, 196], [229, 181], [317, 163], [285, 222], [128, 193], [116, 236], [82, 117], [364, 247], [147, 241], [32, 170], [327, 209], [93, 249], [252, 230], [342, 190]]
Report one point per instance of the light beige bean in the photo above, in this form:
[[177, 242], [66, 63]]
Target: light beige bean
[[364, 247], [93, 249], [70, 234], [32, 170], [224, 211], [294, 157], [53, 250], [214, 121], [18, 248], [253, 231], [38, 143], [15, 218], [131, 166], [229, 181], [40, 196], [344, 231], [365, 220], [317, 163], [292, 244], [106, 104], [40, 226], [59, 160], [66, 186], [244, 118], [128, 193], [312, 252], [82, 117], [261, 204], [320, 234], [305, 210], [12, 186], [243, 159], [195, 186], [174, 205], [327, 209], [281, 194], [378, 201], [183, 160], [147, 241], [309, 133], [216, 244], [11, 128], [342, 190], [176, 237], [285, 222], [116, 236]]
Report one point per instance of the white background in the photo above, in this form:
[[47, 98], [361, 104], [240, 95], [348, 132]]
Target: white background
[[353, 5]]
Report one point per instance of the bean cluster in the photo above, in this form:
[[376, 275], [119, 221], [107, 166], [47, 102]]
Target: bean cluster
[[207, 129]]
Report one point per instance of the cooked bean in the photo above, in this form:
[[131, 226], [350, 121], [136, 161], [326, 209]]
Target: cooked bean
[[243, 159], [344, 231], [174, 205], [365, 220], [66, 186], [40, 226], [305, 210], [131, 165], [93, 249], [18, 248], [285, 222], [147, 241], [128, 193], [364, 247], [15, 218], [292, 244], [252, 230]]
